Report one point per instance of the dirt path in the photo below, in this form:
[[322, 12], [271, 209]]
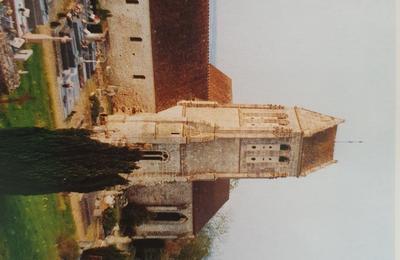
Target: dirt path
[[49, 59], [77, 215], [82, 112]]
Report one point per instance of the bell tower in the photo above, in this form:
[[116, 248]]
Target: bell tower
[[202, 140]]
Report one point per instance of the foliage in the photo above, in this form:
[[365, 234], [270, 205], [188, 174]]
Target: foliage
[[103, 14], [109, 220], [41, 161], [197, 249], [133, 215], [107, 253], [35, 111], [200, 247], [30, 225], [68, 248]]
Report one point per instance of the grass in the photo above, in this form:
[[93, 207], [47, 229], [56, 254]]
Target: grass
[[33, 112], [31, 225]]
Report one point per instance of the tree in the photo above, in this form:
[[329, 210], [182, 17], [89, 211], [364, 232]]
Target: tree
[[41, 161], [201, 246]]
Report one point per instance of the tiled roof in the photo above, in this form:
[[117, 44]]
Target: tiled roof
[[179, 31], [208, 198], [219, 86]]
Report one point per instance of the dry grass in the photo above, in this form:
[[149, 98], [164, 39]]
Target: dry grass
[[59, 6]]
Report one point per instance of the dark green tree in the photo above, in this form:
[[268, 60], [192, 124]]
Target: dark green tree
[[41, 161]]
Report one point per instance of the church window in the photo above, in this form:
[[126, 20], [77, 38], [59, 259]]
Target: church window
[[284, 147], [283, 159], [169, 216], [154, 156], [132, 1], [139, 77]]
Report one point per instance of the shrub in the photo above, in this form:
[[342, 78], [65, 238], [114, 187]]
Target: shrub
[[109, 219], [68, 248]]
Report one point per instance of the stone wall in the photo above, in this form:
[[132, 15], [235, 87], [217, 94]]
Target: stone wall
[[130, 55], [167, 197]]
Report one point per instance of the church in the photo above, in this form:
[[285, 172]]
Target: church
[[193, 139], [195, 143]]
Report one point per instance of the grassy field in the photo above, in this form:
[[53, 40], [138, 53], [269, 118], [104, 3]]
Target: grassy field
[[30, 225], [33, 112]]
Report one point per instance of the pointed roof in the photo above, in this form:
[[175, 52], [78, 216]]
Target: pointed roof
[[319, 134], [312, 122], [318, 151]]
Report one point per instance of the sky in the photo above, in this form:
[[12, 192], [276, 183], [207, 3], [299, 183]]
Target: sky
[[336, 57]]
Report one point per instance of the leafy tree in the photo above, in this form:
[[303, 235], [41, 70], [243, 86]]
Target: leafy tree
[[201, 246], [41, 161], [197, 249]]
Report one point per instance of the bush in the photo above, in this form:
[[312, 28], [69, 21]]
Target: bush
[[104, 253], [68, 248], [109, 219]]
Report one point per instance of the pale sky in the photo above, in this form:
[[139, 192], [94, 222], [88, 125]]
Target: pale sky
[[336, 57]]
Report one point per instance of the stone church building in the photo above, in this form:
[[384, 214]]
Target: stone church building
[[191, 149]]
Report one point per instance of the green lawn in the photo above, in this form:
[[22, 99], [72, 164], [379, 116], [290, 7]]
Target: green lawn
[[36, 111], [30, 225]]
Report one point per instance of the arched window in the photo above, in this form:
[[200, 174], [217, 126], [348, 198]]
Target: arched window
[[285, 147], [283, 159], [154, 156]]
